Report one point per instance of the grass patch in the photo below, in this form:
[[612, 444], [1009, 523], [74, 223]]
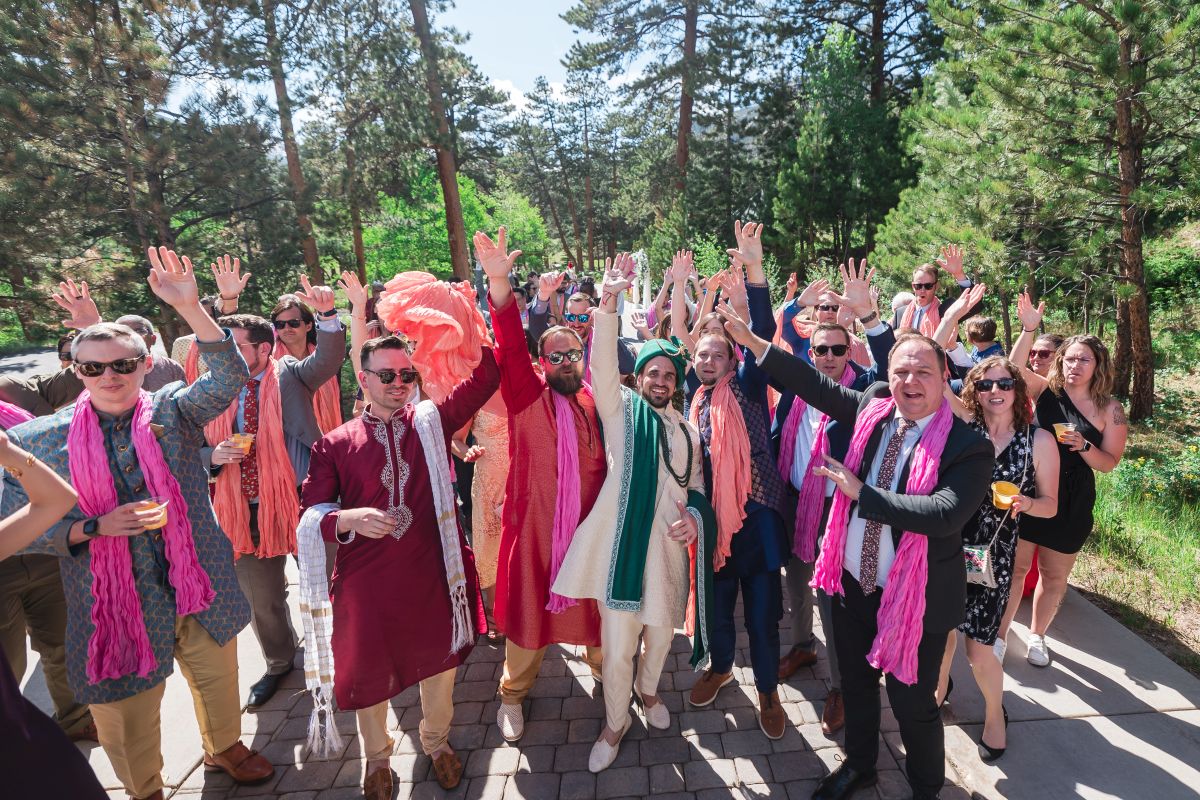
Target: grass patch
[[13, 339]]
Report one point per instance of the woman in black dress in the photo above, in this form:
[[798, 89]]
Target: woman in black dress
[[995, 402], [1076, 396]]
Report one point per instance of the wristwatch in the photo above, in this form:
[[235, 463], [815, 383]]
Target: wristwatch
[[1086, 446], [91, 527], [868, 317], [327, 314]]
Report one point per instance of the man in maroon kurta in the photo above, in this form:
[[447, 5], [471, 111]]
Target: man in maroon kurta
[[523, 575], [392, 612]]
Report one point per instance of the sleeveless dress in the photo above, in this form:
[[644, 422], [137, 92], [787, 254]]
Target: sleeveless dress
[[1069, 528], [985, 605]]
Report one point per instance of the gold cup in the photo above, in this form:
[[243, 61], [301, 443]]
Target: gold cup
[[155, 504], [1003, 494], [1062, 428], [244, 441]]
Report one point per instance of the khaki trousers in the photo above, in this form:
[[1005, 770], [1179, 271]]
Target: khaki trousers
[[130, 731], [620, 632], [437, 709], [521, 670], [32, 601]]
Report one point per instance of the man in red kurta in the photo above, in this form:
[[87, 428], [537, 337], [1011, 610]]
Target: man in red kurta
[[393, 600], [524, 571]]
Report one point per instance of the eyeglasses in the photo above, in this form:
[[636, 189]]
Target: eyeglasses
[[839, 350], [580, 318], [94, 369], [1077, 360], [1003, 385], [280, 324], [386, 376], [574, 356], [1042, 353], [828, 308], [919, 286]]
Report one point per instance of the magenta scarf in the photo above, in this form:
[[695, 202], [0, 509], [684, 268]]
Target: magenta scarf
[[119, 644], [567, 502], [812, 488], [12, 416], [902, 609]]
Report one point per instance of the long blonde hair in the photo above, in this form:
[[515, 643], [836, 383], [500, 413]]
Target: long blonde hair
[[1100, 389]]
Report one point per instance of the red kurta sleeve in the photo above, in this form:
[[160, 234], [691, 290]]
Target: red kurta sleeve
[[519, 384], [468, 397], [322, 486]]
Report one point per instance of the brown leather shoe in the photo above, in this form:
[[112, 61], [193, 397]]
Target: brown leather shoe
[[705, 690], [771, 718], [448, 769], [833, 716], [796, 658], [378, 785], [240, 763]]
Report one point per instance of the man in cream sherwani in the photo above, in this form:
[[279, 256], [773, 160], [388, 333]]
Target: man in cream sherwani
[[650, 534]]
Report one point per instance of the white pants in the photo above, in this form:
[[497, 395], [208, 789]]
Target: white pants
[[620, 632]]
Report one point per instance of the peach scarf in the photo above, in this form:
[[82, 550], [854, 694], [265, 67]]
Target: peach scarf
[[730, 461], [929, 322], [327, 400]]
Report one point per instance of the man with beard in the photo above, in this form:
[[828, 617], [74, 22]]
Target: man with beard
[[578, 316], [554, 439], [647, 516], [750, 500]]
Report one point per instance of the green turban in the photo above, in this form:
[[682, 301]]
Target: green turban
[[671, 348]]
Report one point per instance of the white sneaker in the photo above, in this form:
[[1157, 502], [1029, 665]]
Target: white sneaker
[[1038, 653], [510, 721], [604, 754], [1000, 648], [657, 715]]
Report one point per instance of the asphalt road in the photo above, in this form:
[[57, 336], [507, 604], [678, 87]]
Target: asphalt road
[[31, 362]]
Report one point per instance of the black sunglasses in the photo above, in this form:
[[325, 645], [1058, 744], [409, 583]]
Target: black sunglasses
[[574, 356], [828, 308], [580, 318], [280, 324], [839, 350], [1003, 384], [94, 369], [919, 286], [386, 376]]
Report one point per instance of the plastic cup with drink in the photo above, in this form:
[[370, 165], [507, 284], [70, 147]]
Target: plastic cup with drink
[[1003, 494], [155, 504], [1063, 428]]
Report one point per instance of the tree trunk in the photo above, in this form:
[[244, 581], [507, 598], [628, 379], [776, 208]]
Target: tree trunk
[[878, 41], [1122, 353], [308, 242], [1005, 316], [587, 194], [572, 208], [360, 255], [612, 217], [690, 21], [541, 179], [460, 259]]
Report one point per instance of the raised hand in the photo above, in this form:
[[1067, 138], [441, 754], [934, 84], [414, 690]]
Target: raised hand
[[77, 301], [356, 293], [230, 281], [856, 287], [319, 298], [684, 530], [618, 275], [735, 325], [951, 260], [966, 301], [845, 317], [494, 257], [812, 293], [749, 244], [1031, 318], [172, 278], [548, 283], [793, 284], [681, 266]]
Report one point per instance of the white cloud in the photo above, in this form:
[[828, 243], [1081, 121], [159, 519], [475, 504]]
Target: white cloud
[[515, 95]]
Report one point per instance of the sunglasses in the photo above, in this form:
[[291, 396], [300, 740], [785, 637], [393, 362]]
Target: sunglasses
[[838, 350], [94, 369], [280, 324], [919, 286], [828, 308], [580, 318], [1003, 384], [574, 356], [1042, 353], [386, 376]]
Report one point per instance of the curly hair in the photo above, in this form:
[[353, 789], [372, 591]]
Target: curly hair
[[1101, 387], [1022, 413]]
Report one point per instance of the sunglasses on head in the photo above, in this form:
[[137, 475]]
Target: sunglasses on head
[[386, 376], [556, 358], [94, 369], [580, 318], [1042, 353], [919, 286], [1003, 384], [838, 350], [828, 308], [280, 324]]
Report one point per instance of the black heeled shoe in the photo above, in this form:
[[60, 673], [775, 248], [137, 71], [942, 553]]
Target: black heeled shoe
[[949, 690], [988, 753]]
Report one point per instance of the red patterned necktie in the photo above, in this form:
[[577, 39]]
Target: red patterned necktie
[[250, 425], [868, 572]]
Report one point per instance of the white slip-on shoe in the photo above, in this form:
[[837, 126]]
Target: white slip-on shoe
[[511, 721], [1000, 648], [1038, 653], [604, 754], [657, 715]]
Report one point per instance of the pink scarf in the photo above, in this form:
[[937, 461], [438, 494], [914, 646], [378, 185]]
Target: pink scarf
[[730, 461], [567, 502], [929, 322], [11, 416], [119, 644], [902, 609], [812, 488]]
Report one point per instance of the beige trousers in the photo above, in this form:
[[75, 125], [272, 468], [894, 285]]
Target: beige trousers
[[437, 709], [130, 731], [521, 670], [620, 632]]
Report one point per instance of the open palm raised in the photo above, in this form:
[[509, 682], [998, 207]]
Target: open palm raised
[[171, 278]]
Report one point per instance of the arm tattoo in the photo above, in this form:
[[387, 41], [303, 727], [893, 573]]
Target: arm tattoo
[[1118, 416]]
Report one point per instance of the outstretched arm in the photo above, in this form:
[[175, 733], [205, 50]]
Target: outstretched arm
[[519, 384], [606, 377], [49, 498], [1031, 320]]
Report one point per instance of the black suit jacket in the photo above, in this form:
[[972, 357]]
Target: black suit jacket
[[964, 474]]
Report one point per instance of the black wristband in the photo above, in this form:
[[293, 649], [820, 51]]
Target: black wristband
[[869, 317], [330, 314], [1028, 330]]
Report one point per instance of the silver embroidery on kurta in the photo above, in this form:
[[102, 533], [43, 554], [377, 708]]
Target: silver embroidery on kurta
[[395, 473]]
